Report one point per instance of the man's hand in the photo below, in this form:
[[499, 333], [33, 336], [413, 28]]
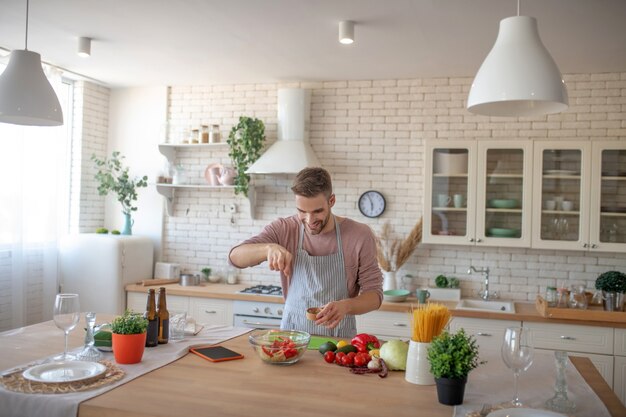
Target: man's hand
[[279, 259]]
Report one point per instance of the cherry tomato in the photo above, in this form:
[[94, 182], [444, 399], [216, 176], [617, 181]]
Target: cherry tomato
[[360, 361], [351, 354], [347, 360], [339, 356], [329, 356]]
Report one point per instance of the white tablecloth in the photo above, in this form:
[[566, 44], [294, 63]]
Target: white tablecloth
[[492, 383], [14, 404]]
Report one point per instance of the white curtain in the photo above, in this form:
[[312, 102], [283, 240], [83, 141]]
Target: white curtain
[[34, 189]]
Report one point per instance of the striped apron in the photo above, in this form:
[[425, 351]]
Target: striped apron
[[316, 281]]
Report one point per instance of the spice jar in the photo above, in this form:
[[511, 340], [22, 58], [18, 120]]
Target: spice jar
[[562, 295], [195, 136], [214, 134], [204, 134], [551, 296]]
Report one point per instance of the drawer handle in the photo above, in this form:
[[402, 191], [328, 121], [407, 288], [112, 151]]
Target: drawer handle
[[210, 311], [483, 334], [400, 324], [568, 338]]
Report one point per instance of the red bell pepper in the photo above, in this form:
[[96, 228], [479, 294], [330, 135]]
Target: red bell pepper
[[364, 342]]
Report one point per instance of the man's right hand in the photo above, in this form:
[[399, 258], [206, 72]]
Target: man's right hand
[[279, 259]]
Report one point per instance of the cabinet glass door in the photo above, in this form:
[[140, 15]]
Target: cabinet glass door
[[561, 209], [612, 219]]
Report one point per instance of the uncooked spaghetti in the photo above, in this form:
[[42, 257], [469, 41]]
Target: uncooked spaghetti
[[428, 321]]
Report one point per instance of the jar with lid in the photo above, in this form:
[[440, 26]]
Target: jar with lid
[[195, 136], [551, 296], [204, 134], [214, 134], [562, 296]]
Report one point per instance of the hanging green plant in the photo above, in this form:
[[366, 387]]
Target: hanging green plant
[[113, 177], [245, 141]]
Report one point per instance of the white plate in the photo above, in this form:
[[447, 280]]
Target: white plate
[[559, 172], [70, 371], [524, 412]]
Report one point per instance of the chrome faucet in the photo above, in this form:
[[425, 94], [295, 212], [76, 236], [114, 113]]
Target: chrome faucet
[[484, 294]]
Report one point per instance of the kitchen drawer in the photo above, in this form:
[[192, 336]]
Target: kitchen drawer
[[211, 311], [384, 324], [620, 342], [603, 363], [137, 301], [572, 338], [488, 333], [619, 377]]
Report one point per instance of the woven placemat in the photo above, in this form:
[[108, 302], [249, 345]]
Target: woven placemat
[[17, 383]]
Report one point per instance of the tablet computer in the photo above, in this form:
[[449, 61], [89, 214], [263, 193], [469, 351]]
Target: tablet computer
[[216, 353]]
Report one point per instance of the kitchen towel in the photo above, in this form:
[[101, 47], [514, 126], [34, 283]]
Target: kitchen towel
[[492, 383], [16, 404]]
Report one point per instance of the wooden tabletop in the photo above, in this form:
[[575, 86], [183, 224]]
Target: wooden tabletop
[[192, 386]]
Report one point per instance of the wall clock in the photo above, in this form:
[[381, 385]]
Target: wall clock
[[372, 204]]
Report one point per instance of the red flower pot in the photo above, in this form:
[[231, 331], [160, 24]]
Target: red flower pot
[[128, 348]]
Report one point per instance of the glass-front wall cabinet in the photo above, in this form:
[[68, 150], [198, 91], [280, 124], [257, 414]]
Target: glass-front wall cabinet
[[476, 193]]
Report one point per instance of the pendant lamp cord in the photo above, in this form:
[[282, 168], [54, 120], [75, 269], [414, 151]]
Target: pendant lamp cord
[[517, 7], [26, 40]]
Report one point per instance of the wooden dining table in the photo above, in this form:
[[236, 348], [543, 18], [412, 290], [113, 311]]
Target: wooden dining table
[[193, 386]]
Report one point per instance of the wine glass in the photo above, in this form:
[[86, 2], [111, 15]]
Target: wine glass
[[66, 316], [517, 354]]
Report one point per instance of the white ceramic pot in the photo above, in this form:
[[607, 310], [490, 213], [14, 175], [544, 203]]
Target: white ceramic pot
[[417, 365]]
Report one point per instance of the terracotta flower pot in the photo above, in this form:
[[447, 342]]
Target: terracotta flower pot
[[128, 348]]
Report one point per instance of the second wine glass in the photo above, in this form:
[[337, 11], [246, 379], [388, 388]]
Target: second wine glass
[[66, 316], [517, 354]]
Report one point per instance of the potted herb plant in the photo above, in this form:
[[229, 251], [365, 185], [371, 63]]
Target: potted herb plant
[[451, 358], [245, 140], [129, 337], [613, 286], [112, 176]]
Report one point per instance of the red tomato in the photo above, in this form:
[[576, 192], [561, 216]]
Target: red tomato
[[329, 356], [339, 357], [360, 360], [347, 360], [352, 354]]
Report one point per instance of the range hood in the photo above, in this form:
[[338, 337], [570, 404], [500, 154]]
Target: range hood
[[291, 152]]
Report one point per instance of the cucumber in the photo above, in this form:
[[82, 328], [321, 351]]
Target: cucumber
[[347, 349]]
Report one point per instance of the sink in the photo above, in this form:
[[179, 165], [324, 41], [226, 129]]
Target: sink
[[491, 306]]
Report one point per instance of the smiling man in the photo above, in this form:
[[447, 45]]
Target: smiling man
[[324, 260]]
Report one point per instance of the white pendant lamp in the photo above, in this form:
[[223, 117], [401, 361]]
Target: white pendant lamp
[[84, 47], [26, 96], [518, 77], [346, 32]]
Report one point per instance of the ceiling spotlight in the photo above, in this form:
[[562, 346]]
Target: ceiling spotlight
[[346, 32], [84, 47]]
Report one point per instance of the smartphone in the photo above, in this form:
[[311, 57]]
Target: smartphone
[[216, 353]]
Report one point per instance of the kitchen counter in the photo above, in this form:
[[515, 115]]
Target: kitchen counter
[[523, 311], [194, 386]]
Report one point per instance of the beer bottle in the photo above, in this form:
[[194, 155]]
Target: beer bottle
[[164, 318], [153, 320]]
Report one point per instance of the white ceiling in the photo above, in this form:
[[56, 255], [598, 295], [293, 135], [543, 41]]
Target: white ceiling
[[173, 42]]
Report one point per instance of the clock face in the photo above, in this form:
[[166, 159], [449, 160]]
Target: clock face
[[372, 204]]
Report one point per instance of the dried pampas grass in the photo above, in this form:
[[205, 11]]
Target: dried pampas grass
[[392, 253]]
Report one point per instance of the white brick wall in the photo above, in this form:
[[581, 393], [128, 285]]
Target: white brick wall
[[369, 134]]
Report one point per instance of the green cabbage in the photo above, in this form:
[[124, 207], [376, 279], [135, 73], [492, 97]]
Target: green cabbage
[[394, 353]]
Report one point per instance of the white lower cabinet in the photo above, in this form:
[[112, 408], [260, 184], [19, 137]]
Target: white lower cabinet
[[385, 325], [488, 333], [207, 311], [619, 375], [211, 311]]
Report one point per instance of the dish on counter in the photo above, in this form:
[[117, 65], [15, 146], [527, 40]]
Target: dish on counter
[[524, 412], [506, 203], [62, 372], [396, 296], [560, 172], [502, 232]]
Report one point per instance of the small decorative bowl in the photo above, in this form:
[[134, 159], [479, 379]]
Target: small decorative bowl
[[311, 313], [279, 347], [396, 296]]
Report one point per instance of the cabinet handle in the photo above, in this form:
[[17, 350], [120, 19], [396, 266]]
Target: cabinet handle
[[483, 334], [478, 240], [568, 338], [400, 324], [210, 311], [471, 239], [593, 246], [585, 245]]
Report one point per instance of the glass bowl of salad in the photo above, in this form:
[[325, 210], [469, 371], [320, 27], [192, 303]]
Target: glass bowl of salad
[[279, 347]]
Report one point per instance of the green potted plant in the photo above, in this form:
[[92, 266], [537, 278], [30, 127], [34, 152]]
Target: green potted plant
[[613, 286], [451, 358], [112, 176], [245, 140], [129, 337]]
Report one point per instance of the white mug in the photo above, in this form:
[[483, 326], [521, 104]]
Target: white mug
[[549, 204], [443, 200], [459, 200], [567, 205]]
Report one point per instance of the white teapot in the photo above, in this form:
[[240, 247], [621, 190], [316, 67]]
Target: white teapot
[[227, 176]]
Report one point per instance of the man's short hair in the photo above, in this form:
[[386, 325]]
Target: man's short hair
[[311, 182]]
